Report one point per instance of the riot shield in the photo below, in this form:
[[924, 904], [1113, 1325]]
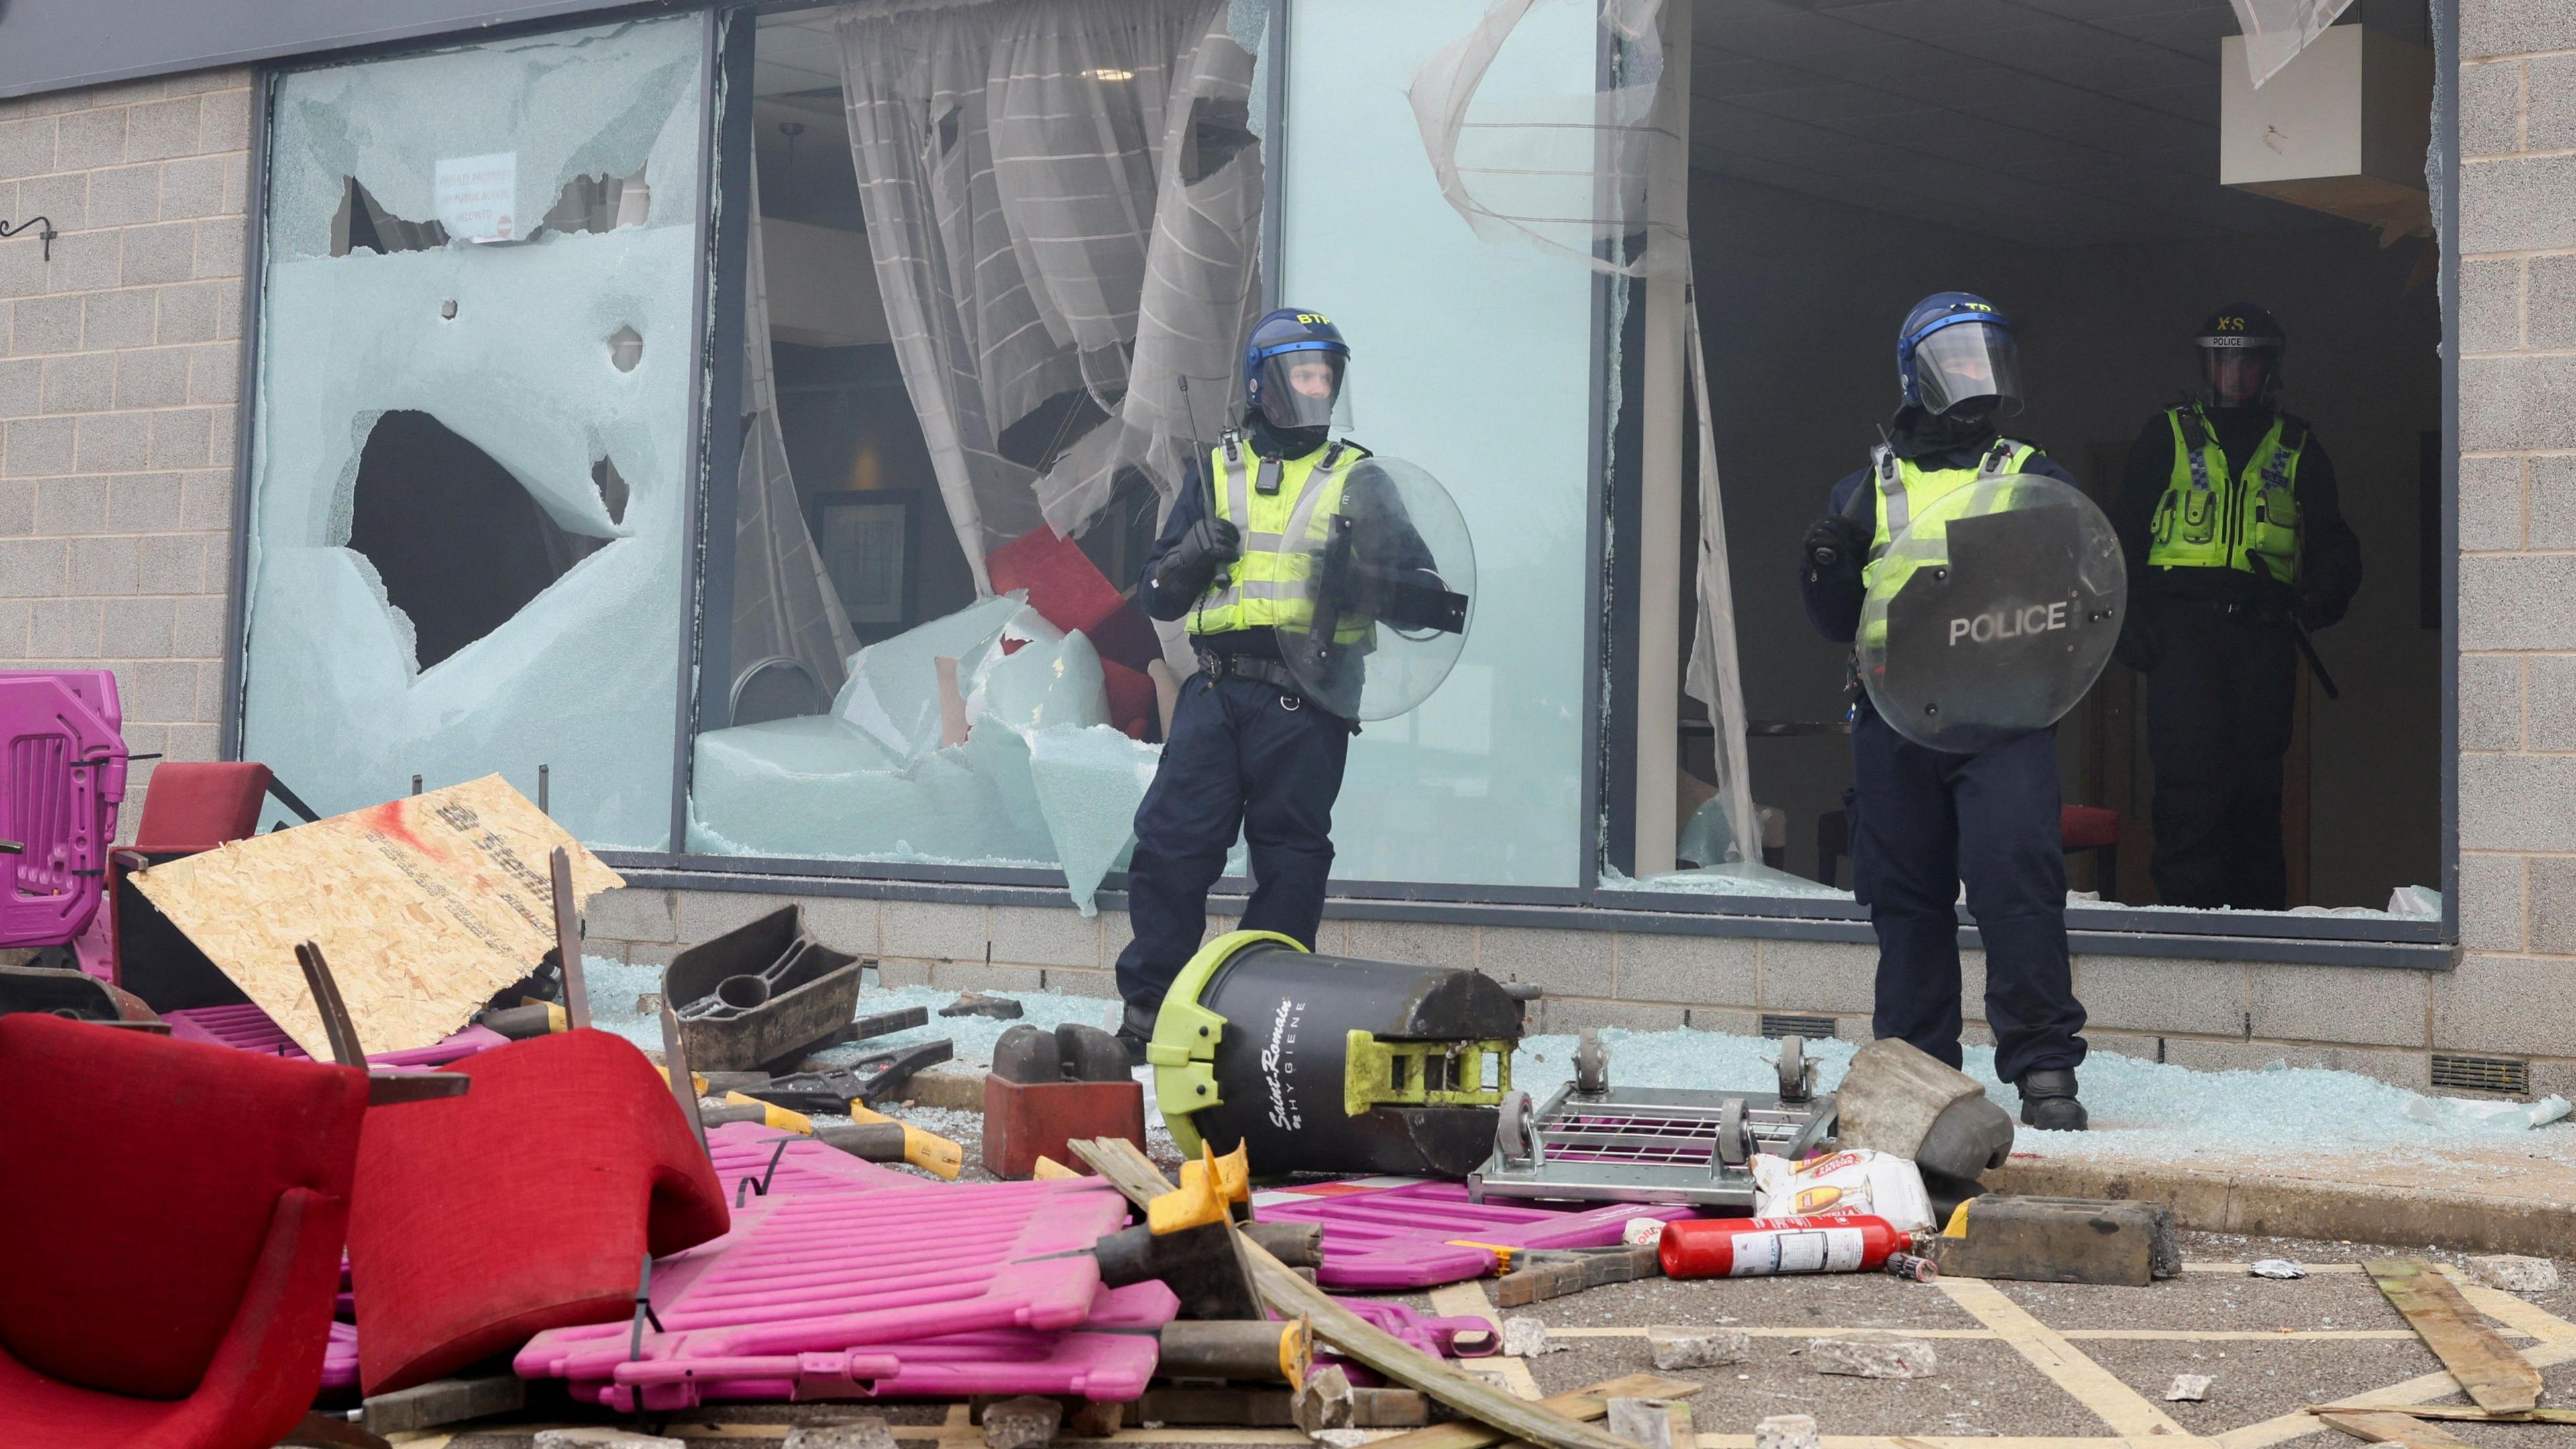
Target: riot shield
[[1991, 613], [1378, 581]]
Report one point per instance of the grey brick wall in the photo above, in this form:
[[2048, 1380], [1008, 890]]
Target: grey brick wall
[[119, 375], [2517, 537]]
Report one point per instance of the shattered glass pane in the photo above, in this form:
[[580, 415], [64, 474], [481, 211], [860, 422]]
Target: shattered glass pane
[[466, 508]]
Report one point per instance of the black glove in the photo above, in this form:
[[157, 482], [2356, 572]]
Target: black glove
[[1210, 544], [2315, 612], [1834, 538]]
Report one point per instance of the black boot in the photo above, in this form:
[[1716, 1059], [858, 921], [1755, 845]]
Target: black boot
[[2048, 1101], [1136, 1029]]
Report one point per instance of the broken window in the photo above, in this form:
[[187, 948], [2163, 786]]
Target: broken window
[[472, 458]]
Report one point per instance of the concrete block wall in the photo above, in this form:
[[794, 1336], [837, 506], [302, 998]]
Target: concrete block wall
[[119, 378], [2512, 993]]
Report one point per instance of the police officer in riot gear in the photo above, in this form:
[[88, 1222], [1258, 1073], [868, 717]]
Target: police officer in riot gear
[[2236, 544], [1247, 749], [1922, 820]]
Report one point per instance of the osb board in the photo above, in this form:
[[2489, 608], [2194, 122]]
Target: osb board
[[424, 907]]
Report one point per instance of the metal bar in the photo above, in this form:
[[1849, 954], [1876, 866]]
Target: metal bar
[[341, 1032], [229, 720], [568, 940]]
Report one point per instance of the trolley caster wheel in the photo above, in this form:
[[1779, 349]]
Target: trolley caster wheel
[[1512, 1128], [1591, 1063], [1796, 1076], [1734, 1133]]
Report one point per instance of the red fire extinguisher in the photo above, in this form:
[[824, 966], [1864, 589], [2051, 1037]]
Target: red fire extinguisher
[[1762, 1247]]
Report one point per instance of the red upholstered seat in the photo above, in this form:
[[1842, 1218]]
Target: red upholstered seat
[[526, 1204], [197, 805], [174, 1218], [2087, 827]]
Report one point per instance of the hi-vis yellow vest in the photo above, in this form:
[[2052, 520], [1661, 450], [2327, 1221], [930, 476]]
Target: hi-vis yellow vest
[[1906, 489], [1283, 529], [2207, 519]]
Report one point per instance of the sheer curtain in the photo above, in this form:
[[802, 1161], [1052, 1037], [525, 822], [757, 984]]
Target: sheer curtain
[[1063, 201]]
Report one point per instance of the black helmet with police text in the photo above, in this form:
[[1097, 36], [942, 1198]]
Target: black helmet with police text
[[1294, 367], [1955, 355], [2241, 346]]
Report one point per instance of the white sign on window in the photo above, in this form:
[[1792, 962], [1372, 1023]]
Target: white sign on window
[[474, 195]]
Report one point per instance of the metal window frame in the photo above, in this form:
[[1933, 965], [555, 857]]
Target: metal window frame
[[1609, 710]]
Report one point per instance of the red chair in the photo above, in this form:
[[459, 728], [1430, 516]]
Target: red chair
[[526, 1204], [174, 1215]]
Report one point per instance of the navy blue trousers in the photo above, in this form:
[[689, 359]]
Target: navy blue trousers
[[1238, 760], [1921, 822]]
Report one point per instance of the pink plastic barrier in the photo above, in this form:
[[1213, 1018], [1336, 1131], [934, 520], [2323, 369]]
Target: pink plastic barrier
[[1437, 1337], [65, 776], [249, 1029], [340, 1357], [1386, 1234]]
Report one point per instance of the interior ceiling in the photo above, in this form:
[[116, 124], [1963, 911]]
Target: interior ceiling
[[2060, 123], [799, 53]]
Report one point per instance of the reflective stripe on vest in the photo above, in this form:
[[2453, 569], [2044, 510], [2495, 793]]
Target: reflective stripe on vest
[[2248, 520], [1267, 585], [1906, 489]]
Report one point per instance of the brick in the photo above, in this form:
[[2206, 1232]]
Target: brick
[[2553, 501], [2511, 602], [2504, 1004], [143, 502], [64, 629], [189, 313], [226, 121], [220, 246], [26, 147], [2162, 996], [36, 447], [2491, 701], [126, 195], [163, 129], [2551, 711], [2491, 109], [206, 499], [191, 187], [166, 252], [182, 439], [138, 628], [2338, 1004], [42, 326], [214, 372], [87, 140], [1561, 963], [1421, 942], [2492, 504], [1720, 970], [2550, 302], [936, 930], [2511, 27], [156, 377], [172, 564], [2518, 802], [2491, 902], [21, 388], [106, 566], [116, 319], [1818, 976], [85, 261], [111, 442], [83, 382], [33, 568], [1555, 1015], [1045, 936], [197, 628], [2520, 205]]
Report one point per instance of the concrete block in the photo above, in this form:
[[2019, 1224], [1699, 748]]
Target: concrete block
[[1423, 942], [1872, 1357], [137, 628], [935, 930], [181, 439], [701, 916], [162, 690], [1652, 1423], [1073, 981], [2552, 506], [116, 442], [2492, 906], [164, 252], [1553, 960], [1045, 936], [2365, 1005], [2147, 994], [172, 564], [220, 246], [124, 196], [191, 187], [1557, 1015], [71, 506], [2412, 1070], [236, 182], [2491, 701], [2520, 204], [1681, 1348], [2243, 1056], [64, 199], [188, 312], [846, 923], [163, 129], [86, 261], [2511, 27], [84, 382], [2518, 802], [2516, 1274], [105, 566], [2122, 1043], [45, 325], [21, 388], [2552, 894], [1721, 970], [37, 447], [86, 140], [2517, 602], [64, 629], [869, 1433], [214, 373], [594, 1437], [1526, 1337], [197, 628], [1027, 1422], [206, 499], [892, 973], [1724, 1021], [14, 617], [116, 319], [976, 976], [26, 147], [2519, 401], [2549, 302], [33, 568], [152, 377], [225, 122], [2491, 109], [1838, 976], [2551, 702], [632, 915], [2507, 1004], [2491, 301], [1787, 1431]]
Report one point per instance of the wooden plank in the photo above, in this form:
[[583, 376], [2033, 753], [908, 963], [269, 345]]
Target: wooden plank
[[2456, 1413], [2384, 1427], [1590, 1403], [2492, 1374], [2282, 1428], [1126, 1167]]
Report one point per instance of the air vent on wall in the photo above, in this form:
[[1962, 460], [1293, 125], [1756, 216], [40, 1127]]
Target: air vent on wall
[[2481, 1074], [1777, 1024]]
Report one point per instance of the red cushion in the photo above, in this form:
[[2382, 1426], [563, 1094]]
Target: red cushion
[[2084, 827], [1069, 591], [1131, 696], [196, 805], [524, 1205], [141, 1186]]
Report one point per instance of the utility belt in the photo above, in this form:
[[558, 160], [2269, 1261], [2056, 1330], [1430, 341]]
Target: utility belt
[[1292, 695], [2255, 613]]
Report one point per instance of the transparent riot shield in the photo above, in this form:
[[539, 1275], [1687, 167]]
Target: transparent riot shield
[[1991, 613], [1377, 585]]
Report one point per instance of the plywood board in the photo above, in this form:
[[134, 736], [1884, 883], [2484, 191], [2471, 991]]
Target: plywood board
[[424, 907], [2495, 1377]]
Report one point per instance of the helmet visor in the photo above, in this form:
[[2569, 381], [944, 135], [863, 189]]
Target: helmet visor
[[2237, 370], [1299, 389], [1967, 362]]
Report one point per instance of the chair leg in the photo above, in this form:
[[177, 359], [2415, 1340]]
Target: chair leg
[[2106, 872], [323, 1429]]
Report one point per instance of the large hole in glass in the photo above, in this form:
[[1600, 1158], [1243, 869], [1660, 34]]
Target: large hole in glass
[[459, 544], [587, 203]]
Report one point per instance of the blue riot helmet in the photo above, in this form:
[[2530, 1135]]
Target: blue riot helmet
[[1955, 356], [1294, 368]]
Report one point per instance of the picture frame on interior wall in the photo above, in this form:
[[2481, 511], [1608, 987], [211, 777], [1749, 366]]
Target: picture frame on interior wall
[[865, 539]]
